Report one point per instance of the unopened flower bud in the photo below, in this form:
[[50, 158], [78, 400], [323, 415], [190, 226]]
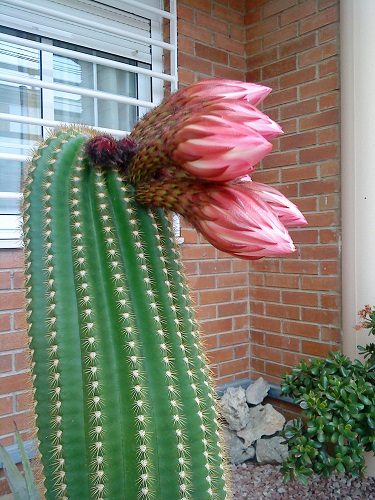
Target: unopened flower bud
[[102, 150]]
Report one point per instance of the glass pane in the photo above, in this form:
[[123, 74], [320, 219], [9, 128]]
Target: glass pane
[[105, 113], [70, 107], [19, 99], [144, 88], [10, 181], [113, 114], [22, 100]]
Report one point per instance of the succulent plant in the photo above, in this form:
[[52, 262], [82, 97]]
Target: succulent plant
[[337, 399], [124, 402]]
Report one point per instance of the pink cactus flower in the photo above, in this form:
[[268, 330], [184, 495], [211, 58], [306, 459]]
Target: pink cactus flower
[[286, 211], [236, 220], [211, 129], [193, 154], [216, 148], [233, 217]]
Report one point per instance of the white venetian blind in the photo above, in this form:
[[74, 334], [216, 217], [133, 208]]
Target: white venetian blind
[[76, 61]]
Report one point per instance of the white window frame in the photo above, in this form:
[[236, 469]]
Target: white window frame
[[66, 21]]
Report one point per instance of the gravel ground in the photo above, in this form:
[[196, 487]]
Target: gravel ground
[[257, 482]]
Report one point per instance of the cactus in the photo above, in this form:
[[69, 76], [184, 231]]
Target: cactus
[[124, 403], [123, 398]]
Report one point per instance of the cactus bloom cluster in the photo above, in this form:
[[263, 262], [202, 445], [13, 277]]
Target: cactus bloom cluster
[[195, 153]]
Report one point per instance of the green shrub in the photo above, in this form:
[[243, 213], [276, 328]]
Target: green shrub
[[337, 399]]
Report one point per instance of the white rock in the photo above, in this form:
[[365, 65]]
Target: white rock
[[271, 451], [235, 448], [263, 421], [257, 391], [234, 408]]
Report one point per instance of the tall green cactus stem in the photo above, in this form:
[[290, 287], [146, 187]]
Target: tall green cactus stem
[[124, 403]]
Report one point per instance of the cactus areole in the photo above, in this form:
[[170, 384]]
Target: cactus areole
[[124, 404]]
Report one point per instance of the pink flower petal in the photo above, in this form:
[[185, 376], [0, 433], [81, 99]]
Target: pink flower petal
[[286, 210], [246, 114], [226, 89], [210, 147], [236, 222]]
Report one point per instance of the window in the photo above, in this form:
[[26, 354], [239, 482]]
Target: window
[[78, 61]]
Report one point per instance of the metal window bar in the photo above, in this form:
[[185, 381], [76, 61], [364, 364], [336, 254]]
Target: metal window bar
[[42, 122], [96, 25], [149, 8], [45, 47], [72, 89]]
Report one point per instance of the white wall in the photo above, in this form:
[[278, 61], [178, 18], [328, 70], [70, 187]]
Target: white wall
[[358, 166]]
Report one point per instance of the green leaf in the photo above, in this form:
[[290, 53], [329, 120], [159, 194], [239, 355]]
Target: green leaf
[[340, 468], [343, 394], [347, 460], [365, 400], [325, 382], [345, 415], [305, 457], [351, 435], [321, 437], [334, 437], [14, 477], [330, 428], [304, 480], [29, 476]]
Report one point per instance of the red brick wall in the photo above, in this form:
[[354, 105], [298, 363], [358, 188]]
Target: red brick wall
[[15, 401], [211, 38], [295, 302]]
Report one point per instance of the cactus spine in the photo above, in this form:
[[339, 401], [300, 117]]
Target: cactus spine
[[124, 404]]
